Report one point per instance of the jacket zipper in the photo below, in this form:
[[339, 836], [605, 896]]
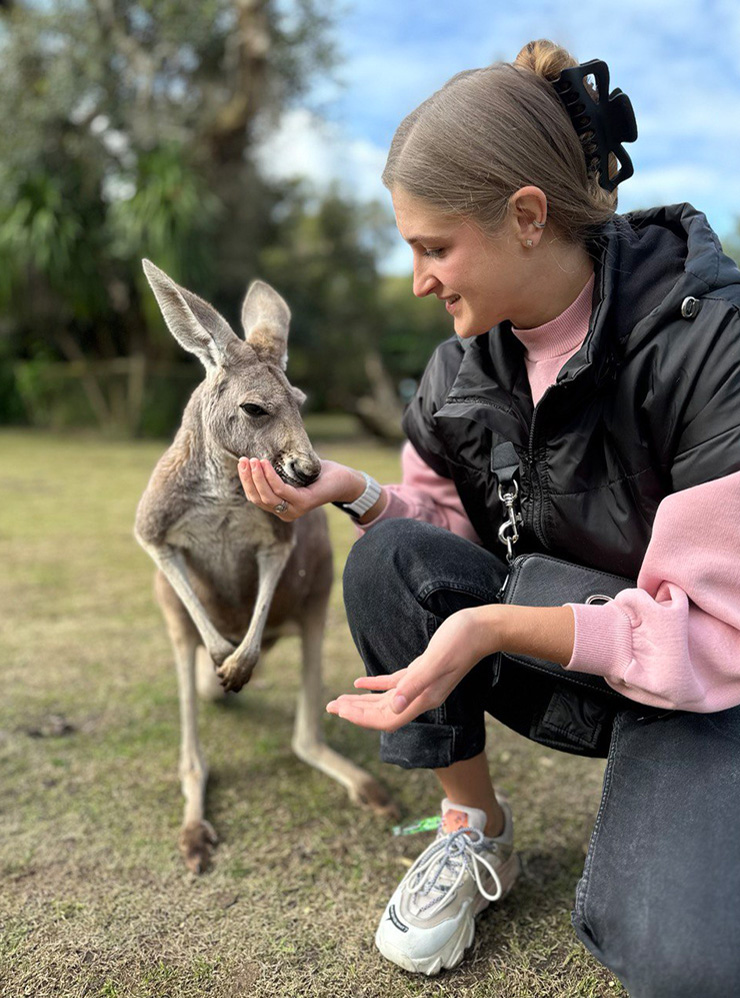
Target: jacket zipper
[[477, 399], [535, 478]]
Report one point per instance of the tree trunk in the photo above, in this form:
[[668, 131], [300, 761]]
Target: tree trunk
[[380, 412]]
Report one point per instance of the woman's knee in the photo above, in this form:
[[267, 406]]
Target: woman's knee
[[657, 952], [374, 548], [401, 578], [385, 561]]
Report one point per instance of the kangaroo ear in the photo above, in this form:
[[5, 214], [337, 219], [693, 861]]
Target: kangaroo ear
[[194, 323], [266, 318]]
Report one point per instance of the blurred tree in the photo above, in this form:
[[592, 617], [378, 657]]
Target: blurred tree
[[355, 335], [412, 327], [127, 130], [328, 275]]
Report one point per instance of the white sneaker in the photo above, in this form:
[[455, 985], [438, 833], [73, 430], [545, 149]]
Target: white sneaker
[[430, 920]]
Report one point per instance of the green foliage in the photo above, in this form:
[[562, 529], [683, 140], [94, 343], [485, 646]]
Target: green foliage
[[168, 215], [164, 400], [322, 267], [731, 246], [127, 132], [11, 404], [412, 327], [324, 260], [40, 229]]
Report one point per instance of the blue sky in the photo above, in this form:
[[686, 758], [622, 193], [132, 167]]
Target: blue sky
[[677, 60]]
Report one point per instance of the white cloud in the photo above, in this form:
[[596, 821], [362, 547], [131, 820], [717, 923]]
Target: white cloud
[[303, 145]]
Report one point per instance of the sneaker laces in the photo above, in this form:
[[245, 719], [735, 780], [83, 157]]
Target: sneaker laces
[[442, 866]]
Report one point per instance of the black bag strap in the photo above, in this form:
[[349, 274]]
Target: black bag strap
[[505, 463]]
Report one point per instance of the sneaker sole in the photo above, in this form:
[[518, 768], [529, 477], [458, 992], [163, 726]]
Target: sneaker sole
[[453, 951]]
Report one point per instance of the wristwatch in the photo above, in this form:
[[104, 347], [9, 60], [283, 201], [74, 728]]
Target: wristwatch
[[363, 503]]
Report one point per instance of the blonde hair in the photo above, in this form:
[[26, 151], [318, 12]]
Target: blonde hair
[[488, 132]]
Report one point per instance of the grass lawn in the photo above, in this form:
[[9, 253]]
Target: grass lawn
[[94, 899]]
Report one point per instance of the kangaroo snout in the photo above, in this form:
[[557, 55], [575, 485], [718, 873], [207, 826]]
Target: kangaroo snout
[[299, 470]]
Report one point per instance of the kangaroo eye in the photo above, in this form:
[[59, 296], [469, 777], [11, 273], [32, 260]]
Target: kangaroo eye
[[253, 410]]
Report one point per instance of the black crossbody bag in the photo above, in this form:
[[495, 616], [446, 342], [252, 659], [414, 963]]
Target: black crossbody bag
[[541, 580]]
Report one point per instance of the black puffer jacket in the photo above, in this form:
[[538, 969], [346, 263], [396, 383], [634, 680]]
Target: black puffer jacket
[[649, 405]]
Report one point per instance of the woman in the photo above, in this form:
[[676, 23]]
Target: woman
[[605, 350]]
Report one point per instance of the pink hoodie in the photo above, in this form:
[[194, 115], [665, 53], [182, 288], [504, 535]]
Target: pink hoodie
[[672, 642]]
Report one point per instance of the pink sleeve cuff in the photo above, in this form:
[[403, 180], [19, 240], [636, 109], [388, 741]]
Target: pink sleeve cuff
[[603, 639]]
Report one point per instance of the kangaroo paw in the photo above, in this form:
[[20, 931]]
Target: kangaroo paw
[[372, 794], [220, 652], [235, 673], [196, 842]]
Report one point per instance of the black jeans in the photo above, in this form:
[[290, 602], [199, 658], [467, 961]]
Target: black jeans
[[659, 899]]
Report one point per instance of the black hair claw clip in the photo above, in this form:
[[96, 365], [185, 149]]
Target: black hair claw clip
[[609, 118]]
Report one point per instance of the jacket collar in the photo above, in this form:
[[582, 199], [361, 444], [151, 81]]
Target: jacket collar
[[645, 264]]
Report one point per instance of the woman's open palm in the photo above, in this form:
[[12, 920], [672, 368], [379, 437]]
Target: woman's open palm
[[399, 697]]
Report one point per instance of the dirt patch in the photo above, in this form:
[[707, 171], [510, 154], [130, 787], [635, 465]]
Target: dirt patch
[[52, 726]]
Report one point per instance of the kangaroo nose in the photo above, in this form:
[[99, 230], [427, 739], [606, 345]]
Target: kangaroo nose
[[303, 469]]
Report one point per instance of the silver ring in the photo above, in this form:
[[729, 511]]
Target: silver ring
[[281, 507]]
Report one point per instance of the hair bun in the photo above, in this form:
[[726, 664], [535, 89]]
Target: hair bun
[[545, 58]]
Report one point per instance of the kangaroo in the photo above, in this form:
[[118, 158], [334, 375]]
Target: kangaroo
[[232, 578]]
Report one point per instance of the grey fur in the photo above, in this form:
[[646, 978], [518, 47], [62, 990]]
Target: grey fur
[[232, 578]]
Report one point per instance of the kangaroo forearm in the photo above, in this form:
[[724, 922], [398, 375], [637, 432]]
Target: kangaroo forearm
[[171, 563]]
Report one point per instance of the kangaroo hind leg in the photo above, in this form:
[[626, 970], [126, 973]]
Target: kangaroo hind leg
[[197, 837], [308, 739], [207, 682]]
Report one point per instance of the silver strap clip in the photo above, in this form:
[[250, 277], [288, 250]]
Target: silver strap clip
[[508, 532]]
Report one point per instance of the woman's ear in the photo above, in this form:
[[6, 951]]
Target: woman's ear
[[529, 212]]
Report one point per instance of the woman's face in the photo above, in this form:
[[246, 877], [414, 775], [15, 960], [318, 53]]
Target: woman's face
[[481, 279]]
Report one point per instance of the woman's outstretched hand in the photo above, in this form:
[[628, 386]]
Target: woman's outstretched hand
[[265, 488], [458, 644]]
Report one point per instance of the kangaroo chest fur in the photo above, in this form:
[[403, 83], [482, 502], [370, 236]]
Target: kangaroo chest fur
[[220, 538]]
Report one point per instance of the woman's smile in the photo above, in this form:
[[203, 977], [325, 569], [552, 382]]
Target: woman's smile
[[453, 251]]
